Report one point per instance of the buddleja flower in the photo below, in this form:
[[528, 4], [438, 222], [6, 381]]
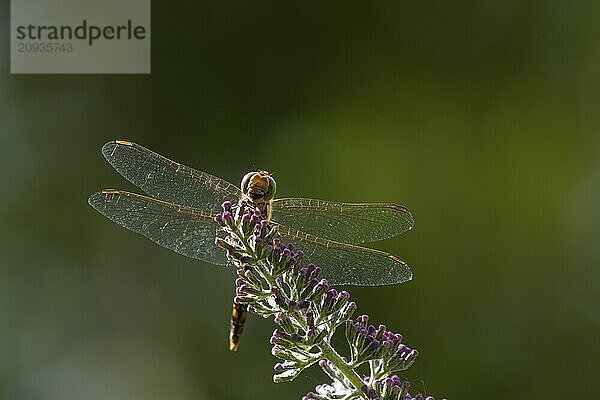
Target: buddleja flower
[[273, 280]]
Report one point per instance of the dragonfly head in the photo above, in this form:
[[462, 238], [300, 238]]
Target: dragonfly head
[[259, 186]]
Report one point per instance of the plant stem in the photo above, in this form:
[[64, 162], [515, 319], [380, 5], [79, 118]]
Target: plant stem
[[332, 355]]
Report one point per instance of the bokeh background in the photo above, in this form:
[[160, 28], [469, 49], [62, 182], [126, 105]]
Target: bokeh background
[[482, 117]]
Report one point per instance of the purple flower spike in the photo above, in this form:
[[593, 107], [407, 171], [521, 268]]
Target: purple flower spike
[[275, 337], [304, 304], [370, 392], [275, 280], [279, 301]]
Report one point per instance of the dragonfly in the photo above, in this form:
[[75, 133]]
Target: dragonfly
[[178, 208]]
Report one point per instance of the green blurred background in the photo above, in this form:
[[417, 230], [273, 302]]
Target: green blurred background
[[482, 117]]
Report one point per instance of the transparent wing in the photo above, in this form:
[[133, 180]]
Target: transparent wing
[[185, 230], [343, 222], [168, 180], [346, 264]]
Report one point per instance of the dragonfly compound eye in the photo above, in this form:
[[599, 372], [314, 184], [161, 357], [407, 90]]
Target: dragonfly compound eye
[[245, 186], [272, 188]]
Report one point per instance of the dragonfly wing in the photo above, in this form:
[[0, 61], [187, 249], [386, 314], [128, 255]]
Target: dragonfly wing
[[185, 230], [168, 180], [343, 222], [347, 264]]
